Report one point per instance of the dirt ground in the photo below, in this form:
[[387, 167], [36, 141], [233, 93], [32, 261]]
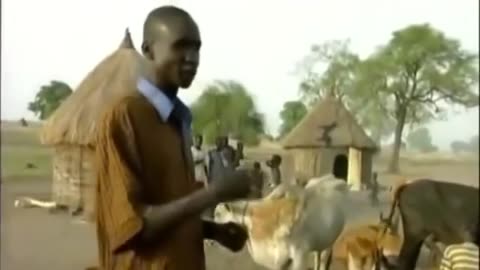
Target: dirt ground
[[34, 239]]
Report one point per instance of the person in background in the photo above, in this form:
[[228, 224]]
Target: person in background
[[239, 156], [229, 154], [374, 190], [217, 168], [275, 174], [257, 186], [199, 159]]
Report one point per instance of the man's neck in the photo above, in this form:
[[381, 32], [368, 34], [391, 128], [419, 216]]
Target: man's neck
[[169, 90]]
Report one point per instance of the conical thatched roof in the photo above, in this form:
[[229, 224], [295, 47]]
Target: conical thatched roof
[[331, 115], [75, 120]]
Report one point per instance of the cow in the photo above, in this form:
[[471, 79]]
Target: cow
[[358, 247], [430, 208], [291, 222]]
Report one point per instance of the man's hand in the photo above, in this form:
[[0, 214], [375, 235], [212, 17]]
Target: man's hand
[[236, 185], [229, 235]]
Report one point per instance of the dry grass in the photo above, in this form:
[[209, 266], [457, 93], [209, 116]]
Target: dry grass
[[20, 146]]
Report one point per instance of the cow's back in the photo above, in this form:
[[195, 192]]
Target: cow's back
[[442, 208], [321, 222]]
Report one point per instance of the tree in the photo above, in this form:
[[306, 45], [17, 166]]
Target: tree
[[459, 146], [473, 143], [226, 108], [331, 68], [417, 70], [420, 139], [291, 114], [49, 98]]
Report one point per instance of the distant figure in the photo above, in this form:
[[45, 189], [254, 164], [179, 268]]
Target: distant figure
[[199, 159], [257, 189], [23, 122], [230, 154], [239, 156], [373, 196], [219, 163], [275, 174], [219, 160]]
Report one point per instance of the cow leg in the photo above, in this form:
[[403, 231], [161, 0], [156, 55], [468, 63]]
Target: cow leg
[[407, 260], [299, 261], [317, 260], [325, 258]]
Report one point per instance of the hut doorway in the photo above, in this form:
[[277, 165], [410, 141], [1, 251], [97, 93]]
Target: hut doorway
[[340, 167]]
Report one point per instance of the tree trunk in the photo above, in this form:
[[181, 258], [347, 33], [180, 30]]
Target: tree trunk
[[397, 143]]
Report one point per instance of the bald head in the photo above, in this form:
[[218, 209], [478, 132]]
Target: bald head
[[165, 16], [171, 40]]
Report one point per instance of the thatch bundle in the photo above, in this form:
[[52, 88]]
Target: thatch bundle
[[74, 122]]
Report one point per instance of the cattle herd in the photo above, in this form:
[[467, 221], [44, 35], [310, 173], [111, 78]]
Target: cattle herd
[[296, 220]]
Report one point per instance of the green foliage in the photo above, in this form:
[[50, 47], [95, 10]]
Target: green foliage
[[226, 108], [329, 68], [470, 146], [417, 70], [291, 114], [339, 78], [20, 146], [420, 139], [474, 144], [49, 98]]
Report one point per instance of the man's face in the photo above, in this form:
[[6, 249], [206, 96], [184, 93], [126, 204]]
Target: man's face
[[176, 52], [198, 141]]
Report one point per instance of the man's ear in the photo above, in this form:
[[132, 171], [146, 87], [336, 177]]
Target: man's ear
[[147, 50]]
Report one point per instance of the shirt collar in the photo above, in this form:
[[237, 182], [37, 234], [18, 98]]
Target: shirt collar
[[162, 104]]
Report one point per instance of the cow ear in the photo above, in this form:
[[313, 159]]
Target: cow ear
[[227, 207]]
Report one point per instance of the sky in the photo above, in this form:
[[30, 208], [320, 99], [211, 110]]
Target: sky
[[258, 43]]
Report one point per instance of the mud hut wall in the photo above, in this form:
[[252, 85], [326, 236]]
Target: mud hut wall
[[87, 179], [66, 176], [328, 158], [354, 177], [73, 178], [305, 161], [367, 163]]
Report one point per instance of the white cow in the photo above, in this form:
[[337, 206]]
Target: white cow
[[292, 222]]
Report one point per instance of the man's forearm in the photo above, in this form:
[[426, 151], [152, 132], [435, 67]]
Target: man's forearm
[[159, 218]]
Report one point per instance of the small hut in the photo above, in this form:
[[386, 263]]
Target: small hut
[[329, 140], [70, 129]]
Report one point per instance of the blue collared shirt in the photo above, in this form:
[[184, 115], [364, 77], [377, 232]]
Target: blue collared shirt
[[164, 106]]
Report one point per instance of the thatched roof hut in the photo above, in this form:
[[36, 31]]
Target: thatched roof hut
[[329, 140], [70, 129], [75, 120]]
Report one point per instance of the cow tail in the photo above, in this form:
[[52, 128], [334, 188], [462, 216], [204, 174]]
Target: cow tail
[[395, 202]]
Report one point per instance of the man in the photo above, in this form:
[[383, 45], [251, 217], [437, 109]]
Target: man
[[229, 154], [239, 156], [218, 160], [148, 202], [275, 174], [199, 158], [257, 187]]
